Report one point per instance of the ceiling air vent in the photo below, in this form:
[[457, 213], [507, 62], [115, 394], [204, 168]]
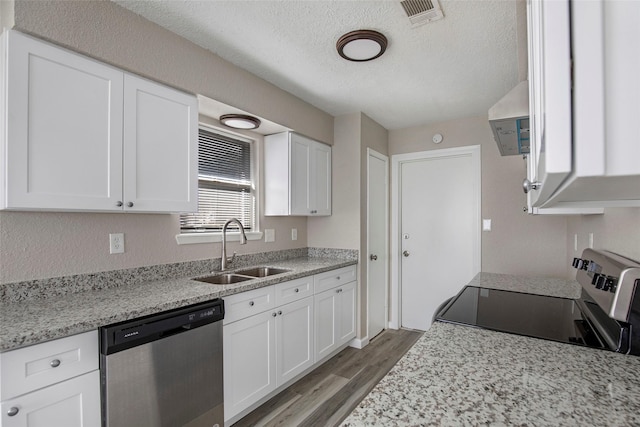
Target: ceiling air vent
[[422, 11]]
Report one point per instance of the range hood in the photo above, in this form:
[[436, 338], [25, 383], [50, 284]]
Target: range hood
[[509, 120]]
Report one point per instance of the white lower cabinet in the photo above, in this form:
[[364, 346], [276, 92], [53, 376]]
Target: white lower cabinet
[[335, 319], [56, 383], [249, 361], [71, 403], [264, 351], [269, 341], [294, 335]]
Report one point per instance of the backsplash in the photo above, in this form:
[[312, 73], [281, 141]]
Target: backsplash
[[60, 286]]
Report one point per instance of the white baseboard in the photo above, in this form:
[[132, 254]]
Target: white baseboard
[[359, 343]]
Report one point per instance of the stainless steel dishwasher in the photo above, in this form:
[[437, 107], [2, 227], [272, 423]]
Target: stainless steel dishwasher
[[164, 369]]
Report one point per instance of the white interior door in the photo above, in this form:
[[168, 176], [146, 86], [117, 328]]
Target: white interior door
[[438, 229], [377, 238]]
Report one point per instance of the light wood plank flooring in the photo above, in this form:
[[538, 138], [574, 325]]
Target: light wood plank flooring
[[330, 392]]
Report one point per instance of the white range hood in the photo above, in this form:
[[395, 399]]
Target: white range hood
[[509, 120]]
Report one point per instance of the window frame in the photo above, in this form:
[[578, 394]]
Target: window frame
[[232, 235]]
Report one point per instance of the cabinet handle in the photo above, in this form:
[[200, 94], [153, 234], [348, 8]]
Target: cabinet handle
[[119, 203], [280, 312], [274, 314], [338, 291], [296, 290], [55, 363], [13, 411], [129, 204], [251, 303]]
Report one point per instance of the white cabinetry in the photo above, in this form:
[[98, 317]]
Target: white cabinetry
[[56, 383], [266, 343], [583, 103], [335, 315], [297, 175], [84, 136]]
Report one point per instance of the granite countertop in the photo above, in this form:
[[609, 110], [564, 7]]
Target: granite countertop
[[31, 321], [458, 375]]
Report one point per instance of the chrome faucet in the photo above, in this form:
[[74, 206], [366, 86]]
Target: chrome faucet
[[243, 241]]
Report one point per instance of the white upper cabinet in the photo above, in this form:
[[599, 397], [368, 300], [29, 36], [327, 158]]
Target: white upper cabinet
[[160, 148], [583, 103], [297, 176], [83, 136]]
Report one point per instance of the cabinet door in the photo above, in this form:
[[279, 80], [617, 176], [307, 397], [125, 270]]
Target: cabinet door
[[63, 129], [294, 334], [326, 308], [300, 173], [249, 361], [160, 148], [71, 403], [321, 179], [347, 313]]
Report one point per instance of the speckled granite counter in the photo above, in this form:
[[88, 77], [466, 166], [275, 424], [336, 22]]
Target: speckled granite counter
[[462, 376], [32, 320]]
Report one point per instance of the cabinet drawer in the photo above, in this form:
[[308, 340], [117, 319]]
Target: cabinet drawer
[[333, 278], [31, 368], [294, 290], [245, 304]]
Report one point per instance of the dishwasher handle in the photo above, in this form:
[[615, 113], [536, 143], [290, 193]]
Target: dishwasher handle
[[128, 334]]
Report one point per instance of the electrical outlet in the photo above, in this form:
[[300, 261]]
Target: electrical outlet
[[591, 240], [269, 235], [294, 234], [116, 243]]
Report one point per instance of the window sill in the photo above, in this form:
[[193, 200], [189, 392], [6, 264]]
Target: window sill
[[195, 238]]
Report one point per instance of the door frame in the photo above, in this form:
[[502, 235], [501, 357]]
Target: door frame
[[397, 160], [385, 263]]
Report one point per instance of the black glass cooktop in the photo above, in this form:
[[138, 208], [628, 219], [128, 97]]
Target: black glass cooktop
[[552, 318]]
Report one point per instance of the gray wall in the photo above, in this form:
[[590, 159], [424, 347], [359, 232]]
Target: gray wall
[[518, 243]]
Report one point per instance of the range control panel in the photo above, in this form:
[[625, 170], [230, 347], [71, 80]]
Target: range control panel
[[610, 279]]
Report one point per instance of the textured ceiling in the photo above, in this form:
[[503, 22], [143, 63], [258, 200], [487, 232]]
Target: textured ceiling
[[455, 67]]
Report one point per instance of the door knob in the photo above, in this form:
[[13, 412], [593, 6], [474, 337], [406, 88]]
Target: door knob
[[405, 253], [373, 257], [528, 185]]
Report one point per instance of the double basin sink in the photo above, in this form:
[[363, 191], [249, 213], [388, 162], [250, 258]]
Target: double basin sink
[[241, 276]]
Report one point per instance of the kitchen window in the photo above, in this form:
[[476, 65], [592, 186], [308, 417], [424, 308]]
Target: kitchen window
[[226, 187]]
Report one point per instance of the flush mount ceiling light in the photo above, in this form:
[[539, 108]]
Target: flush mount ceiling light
[[361, 45], [239, 121]]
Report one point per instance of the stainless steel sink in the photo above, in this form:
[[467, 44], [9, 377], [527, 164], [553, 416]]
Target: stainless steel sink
[[223, 279], [261, 271]]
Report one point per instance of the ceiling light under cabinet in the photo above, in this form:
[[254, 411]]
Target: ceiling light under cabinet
[[240, 121]]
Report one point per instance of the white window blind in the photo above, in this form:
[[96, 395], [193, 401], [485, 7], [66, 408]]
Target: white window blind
[[225, 187]]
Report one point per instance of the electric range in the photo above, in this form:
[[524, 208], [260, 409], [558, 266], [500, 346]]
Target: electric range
[[606, 316]]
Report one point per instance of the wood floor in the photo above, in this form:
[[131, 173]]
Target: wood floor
[[328, 394]]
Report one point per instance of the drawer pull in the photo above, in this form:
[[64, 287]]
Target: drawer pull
[[338, 291], [13, 411], [297, 290], [338, 278], [55, 363], [274, 314], [251, 303], [280, 312]]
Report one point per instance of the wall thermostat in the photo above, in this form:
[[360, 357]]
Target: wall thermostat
[[437, 138]]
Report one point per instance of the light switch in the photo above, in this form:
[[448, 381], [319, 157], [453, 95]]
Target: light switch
[[269, 235], [294, 234], [486, 225]]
